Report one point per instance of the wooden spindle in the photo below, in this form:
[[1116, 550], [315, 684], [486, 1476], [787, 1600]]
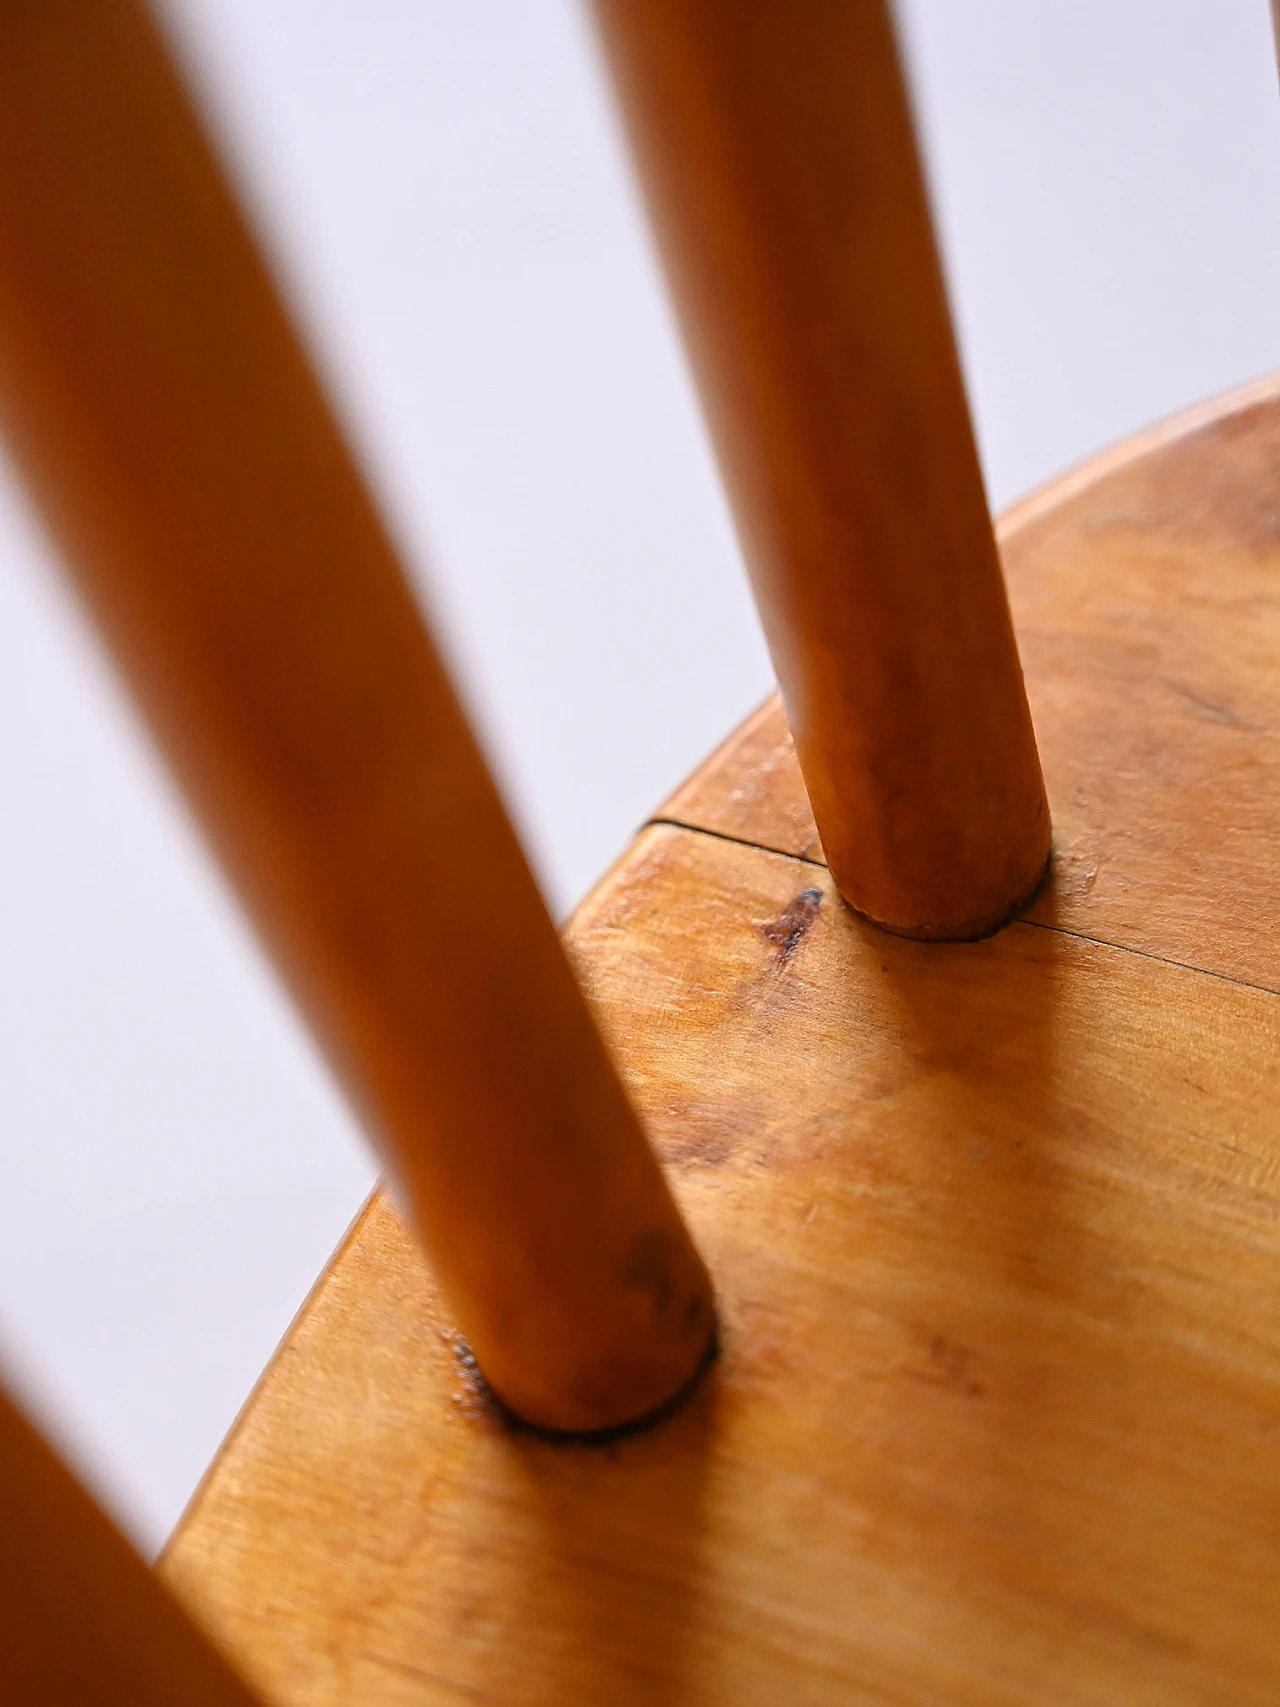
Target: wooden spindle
[[169, 424], [776, 148], [82, 1619]]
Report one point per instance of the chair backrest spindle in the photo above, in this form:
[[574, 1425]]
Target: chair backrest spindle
[[776, 147], [169, 425], [82, 1619]]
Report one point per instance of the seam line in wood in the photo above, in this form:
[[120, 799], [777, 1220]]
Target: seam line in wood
[[740, 842], [1146, 954], [1039, 924]]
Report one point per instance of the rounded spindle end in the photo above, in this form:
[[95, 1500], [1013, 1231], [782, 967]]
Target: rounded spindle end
[[607, 1375]]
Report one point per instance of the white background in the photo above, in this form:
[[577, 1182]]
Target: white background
[[442, 189]]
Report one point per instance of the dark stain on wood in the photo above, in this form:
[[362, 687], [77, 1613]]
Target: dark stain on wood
[[700, 1147], [481, 1403], [787, 931], [951, 1366], [1213, 710]]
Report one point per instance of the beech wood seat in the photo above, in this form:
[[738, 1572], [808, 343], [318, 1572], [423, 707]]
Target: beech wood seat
[[995, 1229]]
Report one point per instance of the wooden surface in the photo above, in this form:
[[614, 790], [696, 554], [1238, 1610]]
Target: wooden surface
[[1146, 593], [169, 424], [82, 1619], [995, 1227], [775, 144]]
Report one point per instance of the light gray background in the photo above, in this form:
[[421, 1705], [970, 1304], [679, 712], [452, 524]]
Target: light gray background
[[443, 191]]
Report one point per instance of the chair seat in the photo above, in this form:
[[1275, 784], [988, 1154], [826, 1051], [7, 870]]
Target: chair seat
[[995, 1226]]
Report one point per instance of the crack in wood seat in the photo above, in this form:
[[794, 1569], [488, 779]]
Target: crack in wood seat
[[995, 1228]]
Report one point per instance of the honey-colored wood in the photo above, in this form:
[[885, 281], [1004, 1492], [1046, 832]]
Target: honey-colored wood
[[996, 1231], [189, 467], [1146, 596], [82, 1619], [776, 147]]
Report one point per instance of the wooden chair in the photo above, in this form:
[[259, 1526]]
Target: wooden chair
[[990, 1209]]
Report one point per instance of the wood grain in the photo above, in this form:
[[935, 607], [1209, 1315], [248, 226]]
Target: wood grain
[[190, 469], [997, 1236], [996, 1231], [776, 147], [1146, 596], [82, 1619]]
